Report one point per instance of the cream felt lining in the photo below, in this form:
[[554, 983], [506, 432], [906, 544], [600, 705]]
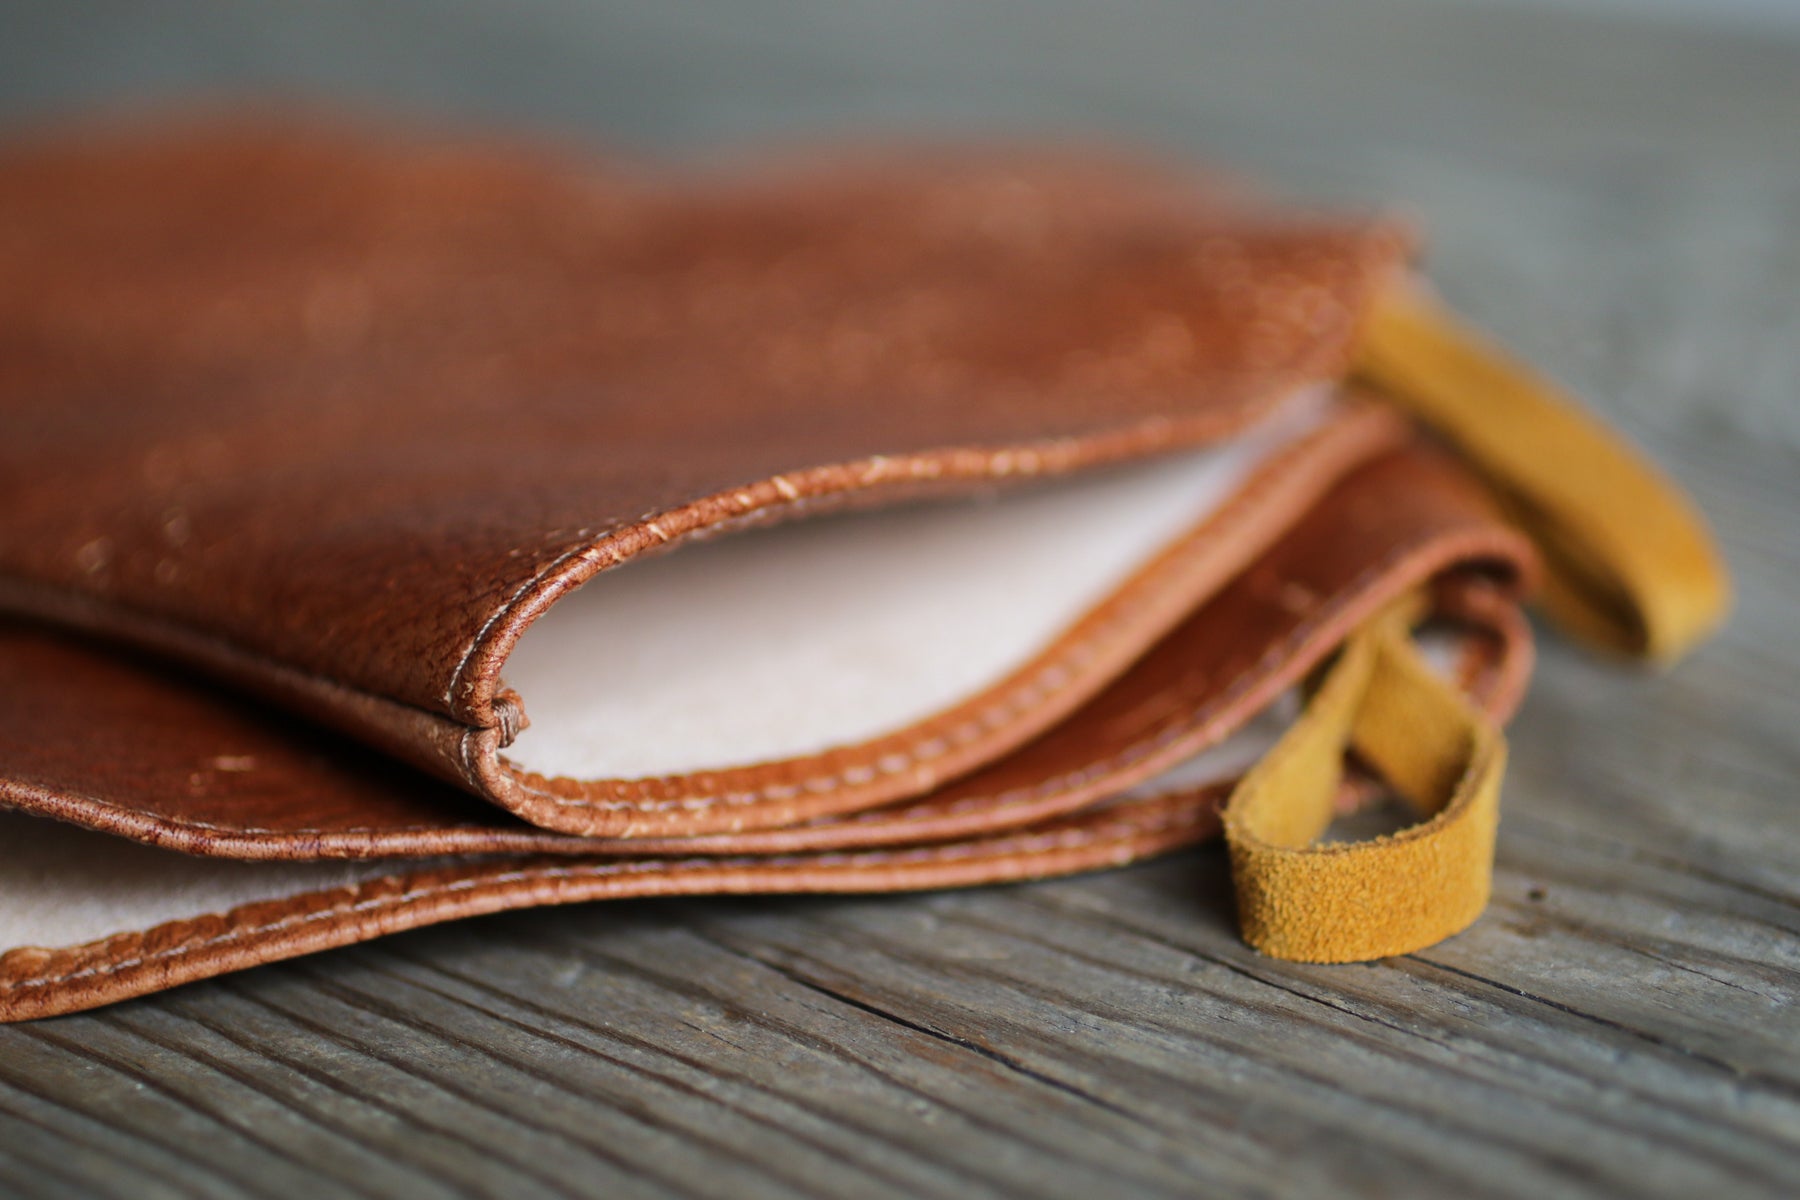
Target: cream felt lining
[[61, 885], [789, 641]]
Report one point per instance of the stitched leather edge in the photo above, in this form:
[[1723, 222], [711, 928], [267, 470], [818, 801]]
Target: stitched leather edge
[[37, 983], [948, 745]]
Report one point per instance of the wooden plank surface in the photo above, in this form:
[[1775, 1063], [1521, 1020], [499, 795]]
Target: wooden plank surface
[[1621, 201]]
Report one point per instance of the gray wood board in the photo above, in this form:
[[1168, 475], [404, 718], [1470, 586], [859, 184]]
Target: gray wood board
[[1620, 201]]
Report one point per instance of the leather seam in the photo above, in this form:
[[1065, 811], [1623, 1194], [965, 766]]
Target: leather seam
[[359, 902], [179, 822], [587, 543]]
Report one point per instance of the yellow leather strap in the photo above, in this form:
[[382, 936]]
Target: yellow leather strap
[[1629, 563], [1350, 901]]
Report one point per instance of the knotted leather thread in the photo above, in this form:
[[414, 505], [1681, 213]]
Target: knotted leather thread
[[1350, 901], [1630, 565]]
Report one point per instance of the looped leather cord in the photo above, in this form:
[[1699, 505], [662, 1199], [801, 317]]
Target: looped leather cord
[[1629, 563], [1351, 901]]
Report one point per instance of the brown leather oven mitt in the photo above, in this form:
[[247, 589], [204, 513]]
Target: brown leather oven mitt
[[452, 527]]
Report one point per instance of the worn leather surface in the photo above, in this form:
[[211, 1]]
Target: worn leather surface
[[334, 415]]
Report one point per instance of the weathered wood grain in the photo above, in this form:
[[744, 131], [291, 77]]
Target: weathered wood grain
[[1621, 201]]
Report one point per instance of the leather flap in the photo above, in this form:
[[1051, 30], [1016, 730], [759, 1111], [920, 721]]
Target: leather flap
[[337, 415]]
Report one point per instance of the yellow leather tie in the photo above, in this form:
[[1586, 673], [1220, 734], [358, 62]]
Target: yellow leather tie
[[1629, 566], [1349, 901]]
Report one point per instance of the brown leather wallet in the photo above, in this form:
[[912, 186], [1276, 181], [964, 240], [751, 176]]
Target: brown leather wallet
[[453, 527]]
